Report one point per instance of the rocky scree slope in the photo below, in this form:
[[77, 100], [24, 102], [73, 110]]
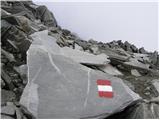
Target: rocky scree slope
[[21, 21]]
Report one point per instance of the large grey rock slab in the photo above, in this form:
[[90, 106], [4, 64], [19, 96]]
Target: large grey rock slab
[[59, 87]]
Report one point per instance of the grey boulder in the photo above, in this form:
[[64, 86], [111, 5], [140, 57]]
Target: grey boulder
[[59, 87]]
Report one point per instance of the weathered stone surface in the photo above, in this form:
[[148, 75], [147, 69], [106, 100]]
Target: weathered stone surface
[[58, 82]]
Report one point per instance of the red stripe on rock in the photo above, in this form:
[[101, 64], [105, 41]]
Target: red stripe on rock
[[105, 94], [103, 82]]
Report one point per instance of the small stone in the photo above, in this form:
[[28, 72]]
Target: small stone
[[156, 84], [134, 72], [2, 83], [6, 117], [9, 110], [19, 115], [77, 47], [142, 50], [147, 93], [7, 96]]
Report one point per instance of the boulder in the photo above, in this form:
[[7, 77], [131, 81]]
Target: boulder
[[69, 89]]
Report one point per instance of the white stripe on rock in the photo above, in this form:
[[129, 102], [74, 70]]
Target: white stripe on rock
[[105, 88]]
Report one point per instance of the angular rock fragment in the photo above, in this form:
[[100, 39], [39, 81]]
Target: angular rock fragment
[[46, 16], [110, 69], [156, 84], [134, 72], [2, 83], [8, 55], [7, 79], [133, 63], [94, 49], [127, 46], [77, 47], [7, 96], [6, 117], [8, 110], [142, 50], [58, 82], [134, 48], [144, 111]]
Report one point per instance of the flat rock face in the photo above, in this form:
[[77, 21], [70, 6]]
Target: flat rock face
[[59, 87]]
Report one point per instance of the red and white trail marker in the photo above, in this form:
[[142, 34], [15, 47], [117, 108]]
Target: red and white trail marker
[[104, 88]]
